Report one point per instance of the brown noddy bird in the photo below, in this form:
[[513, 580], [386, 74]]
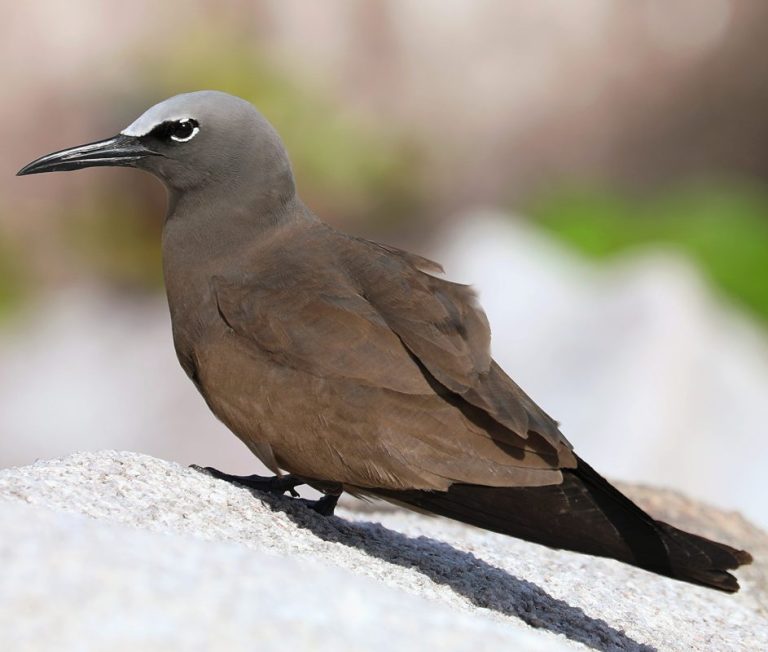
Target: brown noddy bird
[[350, 364]]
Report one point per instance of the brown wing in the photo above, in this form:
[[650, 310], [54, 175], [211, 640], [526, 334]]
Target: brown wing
[[381, 403], [443, 326]]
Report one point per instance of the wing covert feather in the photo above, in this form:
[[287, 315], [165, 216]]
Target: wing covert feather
[[443, 326]]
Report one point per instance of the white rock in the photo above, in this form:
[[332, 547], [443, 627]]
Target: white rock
[[122, 551]]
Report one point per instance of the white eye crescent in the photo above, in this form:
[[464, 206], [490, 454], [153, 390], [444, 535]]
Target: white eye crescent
[[183, 131]]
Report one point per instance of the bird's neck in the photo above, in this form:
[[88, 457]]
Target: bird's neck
[[211, 223], [205, 240]]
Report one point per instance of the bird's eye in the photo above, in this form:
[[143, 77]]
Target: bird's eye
[[184, 130]]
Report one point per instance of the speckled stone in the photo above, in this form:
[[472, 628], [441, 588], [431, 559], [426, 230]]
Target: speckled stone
[[122, 551]]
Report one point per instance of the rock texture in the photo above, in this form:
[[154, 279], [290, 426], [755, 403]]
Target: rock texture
[[122, 551]]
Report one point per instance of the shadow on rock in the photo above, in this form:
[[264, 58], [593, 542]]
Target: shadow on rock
[[481, 583]]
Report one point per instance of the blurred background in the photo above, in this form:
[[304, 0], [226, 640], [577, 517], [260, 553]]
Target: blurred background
[[597, 170]]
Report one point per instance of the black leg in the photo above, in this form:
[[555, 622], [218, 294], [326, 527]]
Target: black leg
[[274, 485], [324, 506]]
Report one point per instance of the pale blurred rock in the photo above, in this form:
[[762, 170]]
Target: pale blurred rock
[[71, 583], [85, 370], [121, 551]]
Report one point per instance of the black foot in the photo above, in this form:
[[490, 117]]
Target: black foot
[[273, 485], [324, 506]]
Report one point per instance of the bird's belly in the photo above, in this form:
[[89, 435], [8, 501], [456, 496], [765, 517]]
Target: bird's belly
[[303, 424], [274, 410]]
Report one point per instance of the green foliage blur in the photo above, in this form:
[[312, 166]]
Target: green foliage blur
[[723, 227], [13, 278], [116, 233]]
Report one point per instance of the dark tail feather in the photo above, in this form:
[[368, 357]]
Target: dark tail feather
[[585, 514]]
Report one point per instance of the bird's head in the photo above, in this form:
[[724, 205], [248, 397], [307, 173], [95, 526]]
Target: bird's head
[[202, 140]]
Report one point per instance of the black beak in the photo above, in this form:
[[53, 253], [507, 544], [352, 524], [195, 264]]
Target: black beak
[[121, 150]]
